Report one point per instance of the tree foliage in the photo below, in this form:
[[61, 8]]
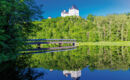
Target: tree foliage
[[15, 25]]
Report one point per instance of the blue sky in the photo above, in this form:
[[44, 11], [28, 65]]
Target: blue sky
[[53, 8]]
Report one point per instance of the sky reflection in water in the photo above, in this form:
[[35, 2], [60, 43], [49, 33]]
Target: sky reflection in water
[[86, 74]]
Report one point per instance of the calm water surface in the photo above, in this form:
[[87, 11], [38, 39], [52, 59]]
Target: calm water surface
[[83, 63]]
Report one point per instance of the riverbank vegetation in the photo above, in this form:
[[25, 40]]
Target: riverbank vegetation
[[15, 25], [105, 43], [16, 17]]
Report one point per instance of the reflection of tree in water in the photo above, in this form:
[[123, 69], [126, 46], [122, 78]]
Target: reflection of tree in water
[[96, 57], [8, 71], [30, 74], [112, 58], [14, 70]]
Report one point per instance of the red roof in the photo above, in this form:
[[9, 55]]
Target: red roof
[[74, 7]]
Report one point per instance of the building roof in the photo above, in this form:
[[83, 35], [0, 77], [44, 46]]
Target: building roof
[[74, 7]]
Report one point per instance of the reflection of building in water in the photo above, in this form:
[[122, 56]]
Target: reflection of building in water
[[75, 75], [51, 69]]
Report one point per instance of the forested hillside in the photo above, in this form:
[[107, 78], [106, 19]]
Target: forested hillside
[[93, 29]]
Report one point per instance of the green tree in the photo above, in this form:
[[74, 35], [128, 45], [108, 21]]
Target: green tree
[[15, 25]]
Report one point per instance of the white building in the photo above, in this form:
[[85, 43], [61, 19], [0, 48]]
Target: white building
[[49, 17], [73, 11]]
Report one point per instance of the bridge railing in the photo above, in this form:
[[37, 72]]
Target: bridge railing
[[50, 40]]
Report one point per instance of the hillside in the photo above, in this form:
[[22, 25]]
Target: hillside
[[92, 29]]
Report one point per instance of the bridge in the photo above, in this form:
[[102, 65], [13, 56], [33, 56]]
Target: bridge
[[38, 42]]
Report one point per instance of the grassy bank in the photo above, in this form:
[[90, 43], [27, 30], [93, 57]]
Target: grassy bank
[[123, 43]]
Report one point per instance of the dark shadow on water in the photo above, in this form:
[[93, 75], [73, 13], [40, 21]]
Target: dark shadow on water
[[11, 71]]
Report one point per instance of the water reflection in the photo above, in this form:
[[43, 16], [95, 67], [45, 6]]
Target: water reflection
[[71, 63], [75, 75], [112, 58], [79, 64]]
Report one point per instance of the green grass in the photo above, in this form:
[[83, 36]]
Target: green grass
[[121, 43]]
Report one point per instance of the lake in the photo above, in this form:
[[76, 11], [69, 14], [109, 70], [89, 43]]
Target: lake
[[81, 63]]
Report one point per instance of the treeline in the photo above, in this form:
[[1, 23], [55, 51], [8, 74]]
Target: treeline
[[93, 29]]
